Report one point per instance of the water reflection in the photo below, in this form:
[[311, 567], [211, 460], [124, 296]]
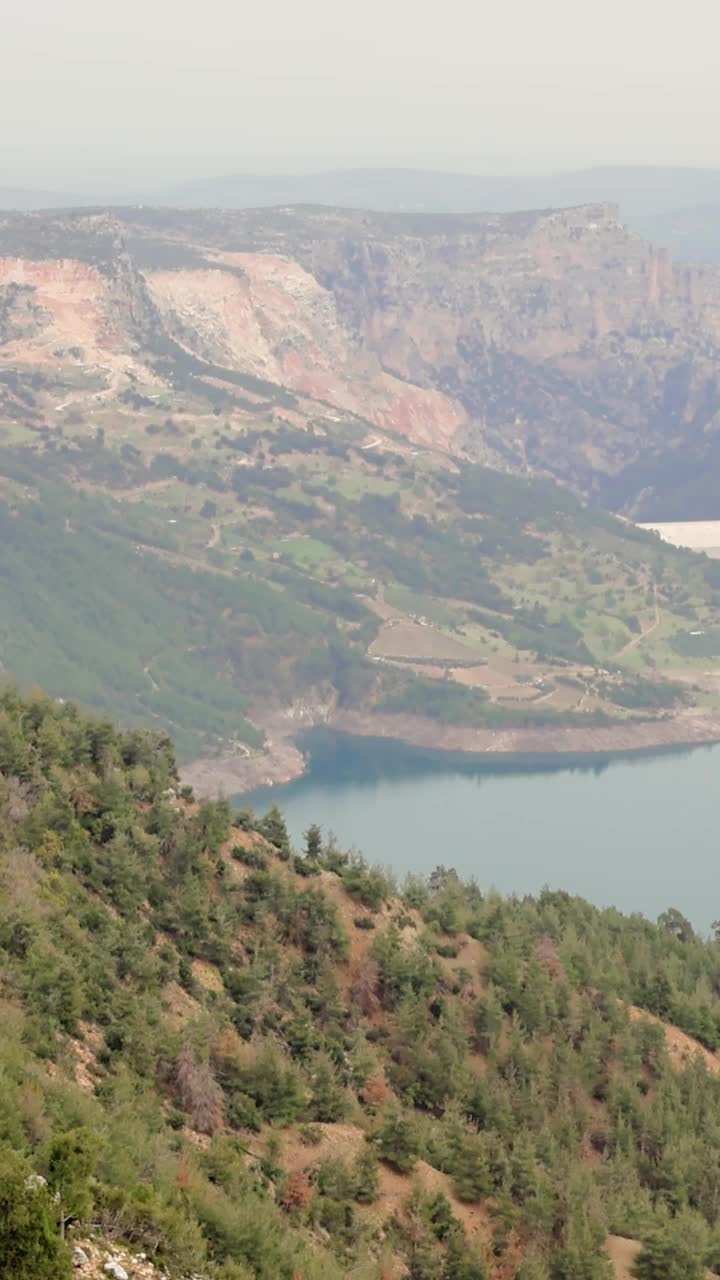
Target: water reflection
[[638, 831], [338, 757]]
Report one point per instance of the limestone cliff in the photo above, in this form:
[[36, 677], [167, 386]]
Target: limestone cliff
[[554, 340]]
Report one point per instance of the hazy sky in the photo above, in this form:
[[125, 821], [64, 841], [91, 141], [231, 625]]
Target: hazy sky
[[92, 90]]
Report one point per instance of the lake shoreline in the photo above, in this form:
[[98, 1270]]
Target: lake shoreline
[[282, 761]]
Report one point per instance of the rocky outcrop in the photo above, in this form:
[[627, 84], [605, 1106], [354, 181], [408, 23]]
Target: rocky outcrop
[[115, 1270], [572, 346], [271, 318], [555, 340], [98, 1259]]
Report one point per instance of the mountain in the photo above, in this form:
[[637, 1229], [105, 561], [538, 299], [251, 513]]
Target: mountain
[[256, 475], [676, 208], [556, 341], [641, 191], [228, 1059]]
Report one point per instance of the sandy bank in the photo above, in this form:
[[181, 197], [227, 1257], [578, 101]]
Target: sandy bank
[[281, 761], [229, 775], [687, 728]]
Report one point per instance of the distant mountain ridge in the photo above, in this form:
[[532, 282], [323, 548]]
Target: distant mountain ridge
[[641, 191], [677, 208]]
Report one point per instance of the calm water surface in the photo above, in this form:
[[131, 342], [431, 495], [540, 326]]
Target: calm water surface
[[639, 833]]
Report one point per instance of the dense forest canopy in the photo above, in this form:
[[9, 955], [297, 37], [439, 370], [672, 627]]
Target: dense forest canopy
[[247, 1060]]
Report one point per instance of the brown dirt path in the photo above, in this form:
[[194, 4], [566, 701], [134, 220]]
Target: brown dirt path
[[636, 640]]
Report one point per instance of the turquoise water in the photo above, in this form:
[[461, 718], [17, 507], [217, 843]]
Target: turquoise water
[[637, 832]]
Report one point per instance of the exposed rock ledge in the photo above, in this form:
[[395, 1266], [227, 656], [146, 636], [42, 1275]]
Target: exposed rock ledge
[[281, 761]]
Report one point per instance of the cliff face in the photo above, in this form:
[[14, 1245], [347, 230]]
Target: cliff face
[[555, 340], [270, 317], [571, 345]]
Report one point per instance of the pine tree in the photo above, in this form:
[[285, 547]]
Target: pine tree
[[30, 1244], [535, 999], [70, 1163], [328, 1103], [674, 1251], [398, 1141], [274, 828], [488, 1016], [470, 1169], [366, 1175], [533, 1267], [460, 1262], [578, 1263], [313, 842]]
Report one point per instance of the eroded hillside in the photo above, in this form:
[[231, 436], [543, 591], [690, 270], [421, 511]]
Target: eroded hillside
[[558, 340]]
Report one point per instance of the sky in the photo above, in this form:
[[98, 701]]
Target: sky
[[159, 90]]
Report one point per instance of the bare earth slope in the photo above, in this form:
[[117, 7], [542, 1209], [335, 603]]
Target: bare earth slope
[[272, 318], [558, 339]]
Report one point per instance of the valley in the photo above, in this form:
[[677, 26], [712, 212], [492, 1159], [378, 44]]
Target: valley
[[223, 520], [269, 459], [265, 529], [359, 642]]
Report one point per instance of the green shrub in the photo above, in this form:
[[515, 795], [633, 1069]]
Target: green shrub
[[398, 1140], [254, 858], [30, 1244]]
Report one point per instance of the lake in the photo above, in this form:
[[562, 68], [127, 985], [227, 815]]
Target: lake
[[639, 832]]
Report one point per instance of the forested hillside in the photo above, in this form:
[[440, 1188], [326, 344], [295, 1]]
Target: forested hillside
[[208, 576], [243, 1060]]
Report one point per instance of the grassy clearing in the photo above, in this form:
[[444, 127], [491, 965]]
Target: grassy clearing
[[421, 606], [487, 643], [306, 551], [353, 484], [16, 433], [398, 639]]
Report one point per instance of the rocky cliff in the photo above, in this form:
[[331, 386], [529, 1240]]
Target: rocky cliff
[[555, 340]]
